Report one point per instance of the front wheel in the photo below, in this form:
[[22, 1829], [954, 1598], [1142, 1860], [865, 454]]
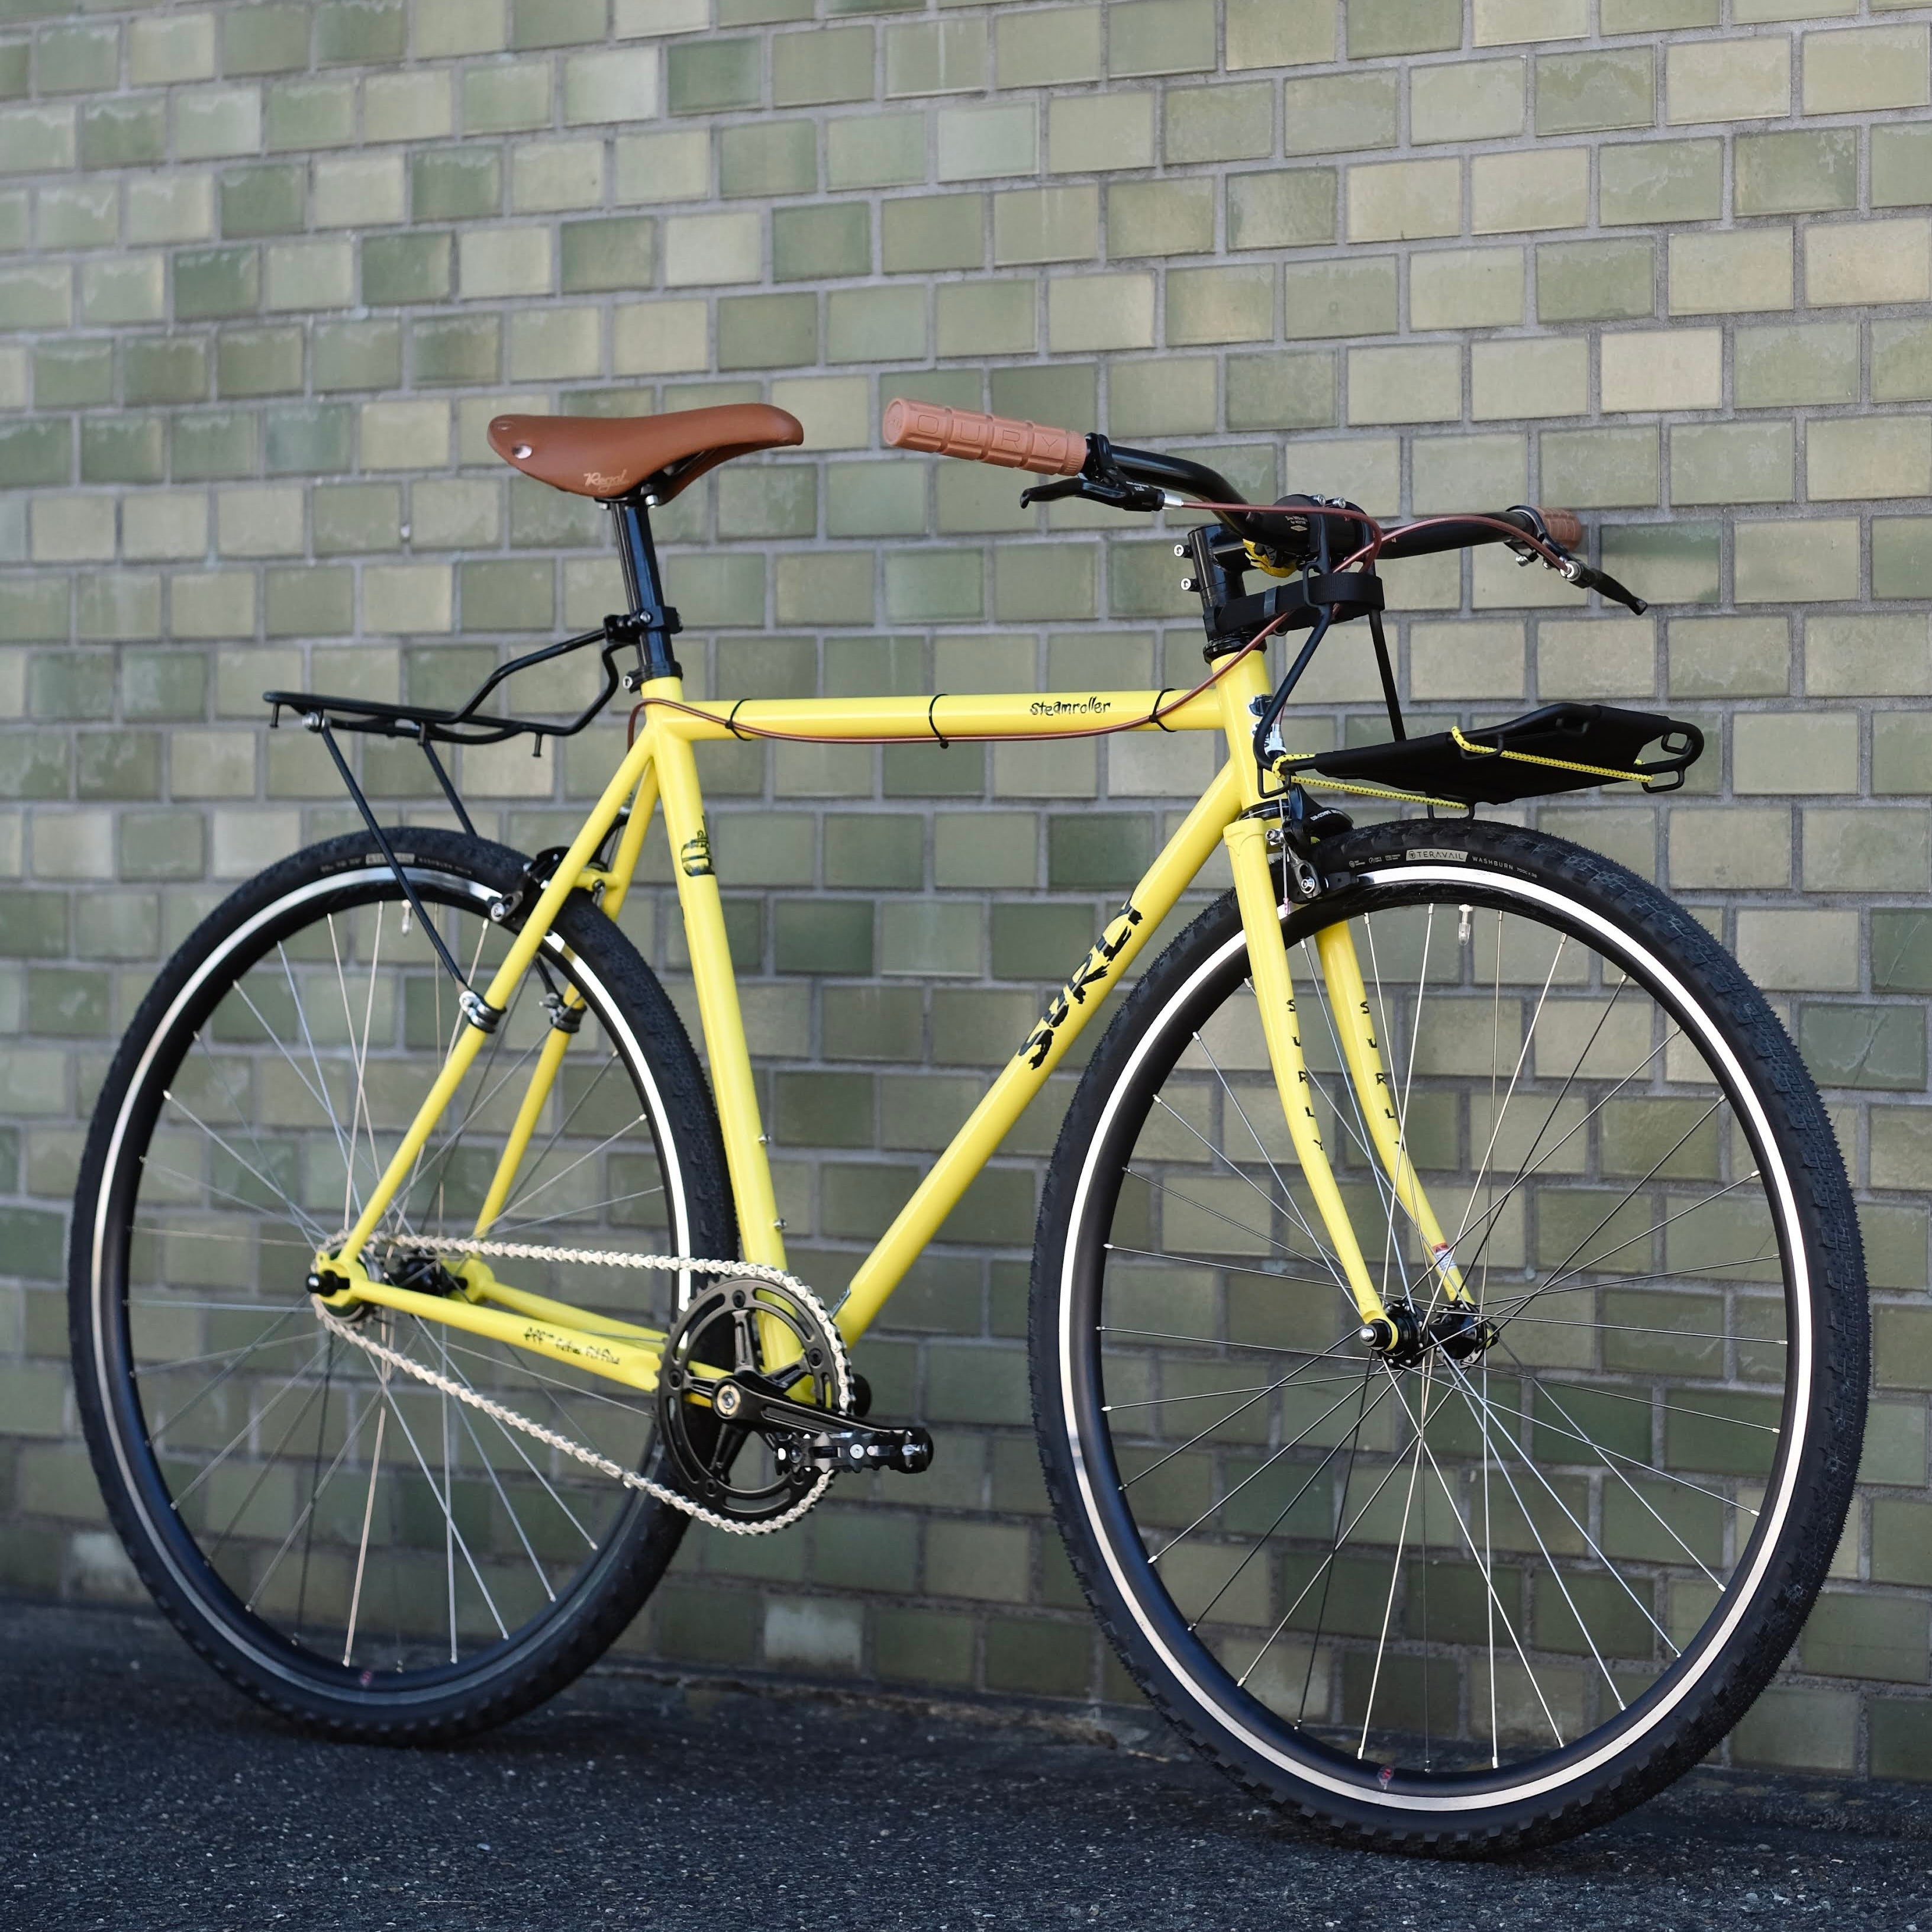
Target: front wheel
[[1502, 1592]]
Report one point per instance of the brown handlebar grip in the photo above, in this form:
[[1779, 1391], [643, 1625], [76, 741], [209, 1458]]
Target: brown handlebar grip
[[1564, 525], [984, 439]]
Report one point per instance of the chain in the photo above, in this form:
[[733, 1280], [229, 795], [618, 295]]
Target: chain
[[508, 1418]]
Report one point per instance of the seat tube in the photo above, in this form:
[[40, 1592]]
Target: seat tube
[[759, 1227]]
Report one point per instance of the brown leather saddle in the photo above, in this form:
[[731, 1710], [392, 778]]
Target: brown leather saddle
[[613, 456]]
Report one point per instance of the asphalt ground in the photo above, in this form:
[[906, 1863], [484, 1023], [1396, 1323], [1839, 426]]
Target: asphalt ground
[[137, 1792]]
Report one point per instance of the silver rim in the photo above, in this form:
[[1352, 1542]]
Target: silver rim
[[1585, 1507], [373, 1534]]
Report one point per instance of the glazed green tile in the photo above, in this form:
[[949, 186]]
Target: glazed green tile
[[258, 362], [77, 60], [33, 609], [844, 7], [452, 349], [214, 444], [981, 318], [1582, 93], [760, 13], [15, 81], [307, 438], [117, 765], [922, 233], [1047, 47], [1807, 362], [1791, 173], [558, 23], [1218, 124], [1174, 396], [168, 683], [767, 331], [875, 151], [1676, 562], [1901, 557], [269, 200], [823, 66], [1059, 392], [1355, 296], [304, 114], [37, 452], [38, 297], [811, 243], [1155, 36], [122, 449], [942, 56], [769, 157], [770, 500], [1377, 27], [264, 39], [400, 268], [79, 215], [934, 585], [1595, 281], [1288, 208], [71, 375], [212, 283], [1901, 164], [71, 685], [609, 252], [1644, 16], [1167, 217], [358, 355], [310, 601], [1330, 114], [1283, 390], [1046, 224], [507, 596], [505, 99], [118, 604], [355, 33], [875, 325], [456, 183], [980, 143], [704, 76], [123, 133], [873, 500], [1649, 182], [348, 518]]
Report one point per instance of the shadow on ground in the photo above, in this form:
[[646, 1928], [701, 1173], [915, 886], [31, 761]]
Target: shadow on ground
[[140, 1793]]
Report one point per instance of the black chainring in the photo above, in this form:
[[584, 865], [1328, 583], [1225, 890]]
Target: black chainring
[[737, 1328]]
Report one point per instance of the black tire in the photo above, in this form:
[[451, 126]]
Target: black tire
[[1131, 1326], [555, 1560]]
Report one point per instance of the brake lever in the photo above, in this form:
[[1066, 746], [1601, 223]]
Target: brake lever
[[1098, 481]]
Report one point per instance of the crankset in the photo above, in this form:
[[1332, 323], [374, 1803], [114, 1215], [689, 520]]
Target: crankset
[[757, 1403]]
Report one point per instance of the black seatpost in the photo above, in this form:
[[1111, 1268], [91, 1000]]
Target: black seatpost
[[643, 586]]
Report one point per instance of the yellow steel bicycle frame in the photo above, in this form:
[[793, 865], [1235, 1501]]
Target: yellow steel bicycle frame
[[660, 769]]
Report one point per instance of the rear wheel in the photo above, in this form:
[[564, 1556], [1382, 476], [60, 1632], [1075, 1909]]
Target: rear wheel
[[1501, 1593], [355, 1548]]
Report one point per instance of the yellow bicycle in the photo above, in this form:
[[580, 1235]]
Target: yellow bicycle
[[1448, 1333]]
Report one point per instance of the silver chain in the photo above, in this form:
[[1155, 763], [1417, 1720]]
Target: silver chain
[[509, 1418]]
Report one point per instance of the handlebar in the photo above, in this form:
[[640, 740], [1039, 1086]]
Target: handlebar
[[1145, 479]]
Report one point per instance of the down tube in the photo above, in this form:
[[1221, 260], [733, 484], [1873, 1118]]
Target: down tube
[[937, 1196]]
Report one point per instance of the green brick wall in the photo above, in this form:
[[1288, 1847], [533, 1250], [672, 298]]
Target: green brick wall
[[267, 269]]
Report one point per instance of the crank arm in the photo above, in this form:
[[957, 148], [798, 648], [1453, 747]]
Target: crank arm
[[829, 1442]]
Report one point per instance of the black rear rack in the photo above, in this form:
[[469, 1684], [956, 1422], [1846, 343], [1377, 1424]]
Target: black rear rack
[[467, 723]]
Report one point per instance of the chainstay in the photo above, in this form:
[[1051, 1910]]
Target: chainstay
[[510, 1418]]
